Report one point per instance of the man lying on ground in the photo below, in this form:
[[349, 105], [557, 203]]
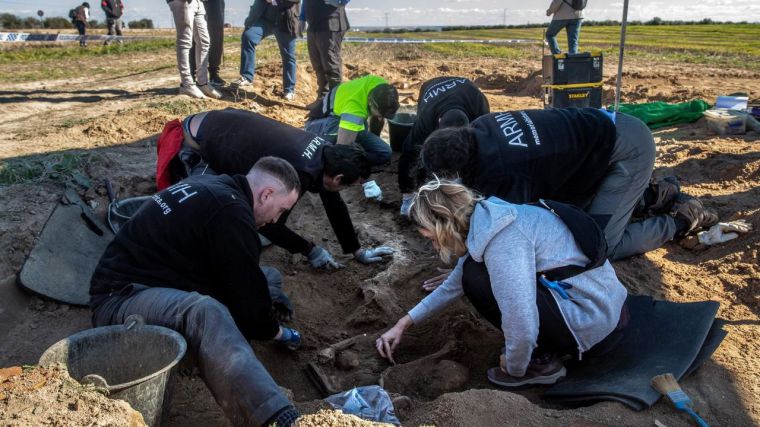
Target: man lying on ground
[[443, 102], [593, 159], [503, 248], [189, 260], [355, 111], [230, 141]]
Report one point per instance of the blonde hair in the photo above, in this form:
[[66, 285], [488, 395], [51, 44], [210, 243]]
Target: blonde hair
[[444, 207]]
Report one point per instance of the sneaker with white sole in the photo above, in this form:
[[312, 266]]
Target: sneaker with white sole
[[543, 370], [209, 91], [192, 91], [216, 81], [241, 83], [289, 96]]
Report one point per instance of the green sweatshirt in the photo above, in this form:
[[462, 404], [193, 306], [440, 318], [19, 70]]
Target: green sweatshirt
[[351, 101]]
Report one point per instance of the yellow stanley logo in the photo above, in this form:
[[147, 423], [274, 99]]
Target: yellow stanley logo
[[578, 95]]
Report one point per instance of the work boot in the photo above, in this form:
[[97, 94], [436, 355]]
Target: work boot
[[693, 213], [210, 92], [666, 190], [547, 369], [285, 417], [192, 91], [216, 81]]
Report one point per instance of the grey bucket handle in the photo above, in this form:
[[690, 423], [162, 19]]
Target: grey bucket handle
[[97, 381], [134, 320]]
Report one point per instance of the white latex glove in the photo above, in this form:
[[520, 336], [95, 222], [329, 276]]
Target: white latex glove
[[722, 232], [372, 191]]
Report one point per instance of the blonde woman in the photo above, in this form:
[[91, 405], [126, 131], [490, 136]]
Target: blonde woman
[[501, 246]]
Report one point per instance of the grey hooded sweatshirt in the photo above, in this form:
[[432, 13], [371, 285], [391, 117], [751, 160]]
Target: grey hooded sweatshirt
[[516, 241]]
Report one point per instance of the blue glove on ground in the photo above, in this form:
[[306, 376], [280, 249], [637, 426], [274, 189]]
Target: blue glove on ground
[[290, 338], [372, 191], [406, 204], [320, 257], [371, 256]]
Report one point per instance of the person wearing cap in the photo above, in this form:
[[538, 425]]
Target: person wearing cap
[[442, 102], [355, 111], [230, 141]]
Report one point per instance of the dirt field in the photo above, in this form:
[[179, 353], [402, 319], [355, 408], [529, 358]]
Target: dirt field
[[117, 119]]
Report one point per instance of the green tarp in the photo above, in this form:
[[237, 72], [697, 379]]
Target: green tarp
[[659, 114]]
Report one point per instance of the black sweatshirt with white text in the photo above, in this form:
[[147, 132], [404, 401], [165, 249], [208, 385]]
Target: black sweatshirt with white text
[[557, 154], [197, 235], [232, 141]]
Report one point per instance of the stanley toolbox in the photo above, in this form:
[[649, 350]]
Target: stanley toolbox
[[574, 96], [573, 80]]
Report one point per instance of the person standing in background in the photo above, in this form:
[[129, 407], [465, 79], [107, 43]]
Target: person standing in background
[[327, 24], [113, 10], [215, 22], [567, 17], [190, 21], [79, 17], [278, 17]]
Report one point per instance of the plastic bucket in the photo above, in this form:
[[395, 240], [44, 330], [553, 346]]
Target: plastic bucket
[[133, 362], [726, 122], [398, 128]]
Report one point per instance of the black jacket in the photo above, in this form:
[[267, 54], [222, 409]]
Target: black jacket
[[197, 235], [322, 17], [439, 95], [284, 15], [232, 141], [558, 154], [112, 8]]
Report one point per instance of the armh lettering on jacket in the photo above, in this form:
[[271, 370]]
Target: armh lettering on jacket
[[440, 88], [180, 190], [312, 147], [513, 131]]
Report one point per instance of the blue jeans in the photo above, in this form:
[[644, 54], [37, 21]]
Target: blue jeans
[[252, 36], [244, 389], [573, 28], [378, 151]]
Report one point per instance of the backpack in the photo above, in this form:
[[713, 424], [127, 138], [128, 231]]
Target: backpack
[[72, 13], [576, 4]]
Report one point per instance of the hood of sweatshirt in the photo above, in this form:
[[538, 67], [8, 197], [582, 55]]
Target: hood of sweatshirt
[[489, 217]]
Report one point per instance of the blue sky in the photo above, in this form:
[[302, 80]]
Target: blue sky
[[437, 12]]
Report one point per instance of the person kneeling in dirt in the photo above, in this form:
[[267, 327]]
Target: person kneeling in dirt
[[189, 260], [599, 161], [443, 102], [508, 256], [342, 116], [230, 141]]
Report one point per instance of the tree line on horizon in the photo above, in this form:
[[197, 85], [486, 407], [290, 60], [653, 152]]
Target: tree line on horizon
[[9, 21]]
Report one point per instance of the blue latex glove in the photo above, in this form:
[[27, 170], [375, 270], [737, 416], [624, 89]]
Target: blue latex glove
[[406, 204], [372, 191], [290, 338], [371, 256], [320, 257]]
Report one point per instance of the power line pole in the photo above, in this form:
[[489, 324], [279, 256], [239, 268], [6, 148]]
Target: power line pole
[[505, 17], [386, 19]]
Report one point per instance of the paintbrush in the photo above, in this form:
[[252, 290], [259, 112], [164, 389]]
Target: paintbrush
[[667, 385]]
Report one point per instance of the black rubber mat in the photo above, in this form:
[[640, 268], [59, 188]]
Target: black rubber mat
[[661, 337], [68, 250]]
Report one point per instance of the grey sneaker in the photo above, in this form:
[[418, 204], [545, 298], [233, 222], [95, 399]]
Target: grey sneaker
[[691, 210], [192, 91], [289, 96], [544, 370], [210, 92], [241, 83]]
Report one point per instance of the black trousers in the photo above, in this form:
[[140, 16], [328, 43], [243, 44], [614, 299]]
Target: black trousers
[[410, 171], [553, 335], [215, 20], [82, 29], [325, 56]]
